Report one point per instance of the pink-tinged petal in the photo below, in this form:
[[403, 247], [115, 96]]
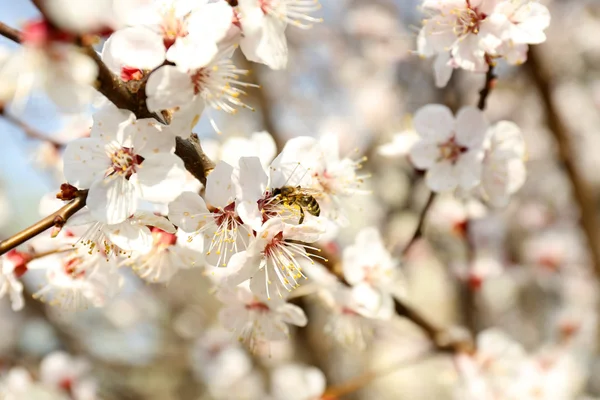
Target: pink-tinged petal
[[424, 154], [441, 177], [434, 122], [241, 267], [468, 169], [220, 189], [137, 47], [443, 69], [471, 127], [112, 200], [507, 138], [189, 212], [371, 302], [147, 218], [85, 161], [168, 87], [161, 178], [130, 237], [292, 314], [469, 55], [150, 137]]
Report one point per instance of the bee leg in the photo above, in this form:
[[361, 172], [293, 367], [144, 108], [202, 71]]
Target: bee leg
[[301, 215]]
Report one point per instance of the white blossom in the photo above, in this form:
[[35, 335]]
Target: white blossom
[[124, 160], [263, 25], [451, 149], [10, 284], [297, 382], [256, 319]]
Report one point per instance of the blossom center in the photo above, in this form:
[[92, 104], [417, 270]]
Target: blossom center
[[273, 245], [199, 79], [257, 306], [124, 162], [227, 217], [172, 28], [451, 150], [71, 268], [467, 20]]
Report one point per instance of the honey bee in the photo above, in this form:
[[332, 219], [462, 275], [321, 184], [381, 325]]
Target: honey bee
[[302, 198]]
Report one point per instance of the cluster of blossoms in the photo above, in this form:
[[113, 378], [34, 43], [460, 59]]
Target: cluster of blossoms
[[470, 34], [61, 377], [464, 153]]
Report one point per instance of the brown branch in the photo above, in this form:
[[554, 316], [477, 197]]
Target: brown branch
[[29, 130], [56, 219], [419, 230], [490, 80], [10, 33], [196, 162], [361, 381], [542, 78]]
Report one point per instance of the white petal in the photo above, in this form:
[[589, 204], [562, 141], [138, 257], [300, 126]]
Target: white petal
[[441, 177], [443, 69], [468, 169], [112, 200], [434, 122], [212, 20], [534, 18], [251, 187], [85, 161], [424, 154], [150, 219], [241, 267], [110, 124], [161, 177], [168, 87], [188, 53], [292, 314], [137, 47], [189, 212], [471, 127], [151, 138], [130, 237], [264, 38], [220, 190]]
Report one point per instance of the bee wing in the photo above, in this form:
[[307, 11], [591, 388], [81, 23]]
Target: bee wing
[[289, 174]]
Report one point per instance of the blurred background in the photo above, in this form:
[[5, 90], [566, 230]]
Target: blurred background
[[526, 269]]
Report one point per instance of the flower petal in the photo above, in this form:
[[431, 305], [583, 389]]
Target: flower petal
[[112, 200], [136, 46], [189, 212], [434, 122], [471, 127], [167, 88], [220, 190], [161, 177], [85, 161]]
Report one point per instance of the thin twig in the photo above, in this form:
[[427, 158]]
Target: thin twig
[[10, 33], [582, 190], [361, 381], [419, 230], [29, 130], [490, 79]]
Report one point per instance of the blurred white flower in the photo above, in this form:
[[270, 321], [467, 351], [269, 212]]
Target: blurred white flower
[[372, 271], [62, 372], [297, 382], [263, 25], [256, 319], [259, 144], [400, 145], [10, 284], [451, 149], [504, 169], [48, 63], [18, 384]]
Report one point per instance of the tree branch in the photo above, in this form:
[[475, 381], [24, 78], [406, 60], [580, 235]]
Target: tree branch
[[490, 80], [582, 191], [10, 33], [56, 219], [194, 159], [29, 131], [419, 230]]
